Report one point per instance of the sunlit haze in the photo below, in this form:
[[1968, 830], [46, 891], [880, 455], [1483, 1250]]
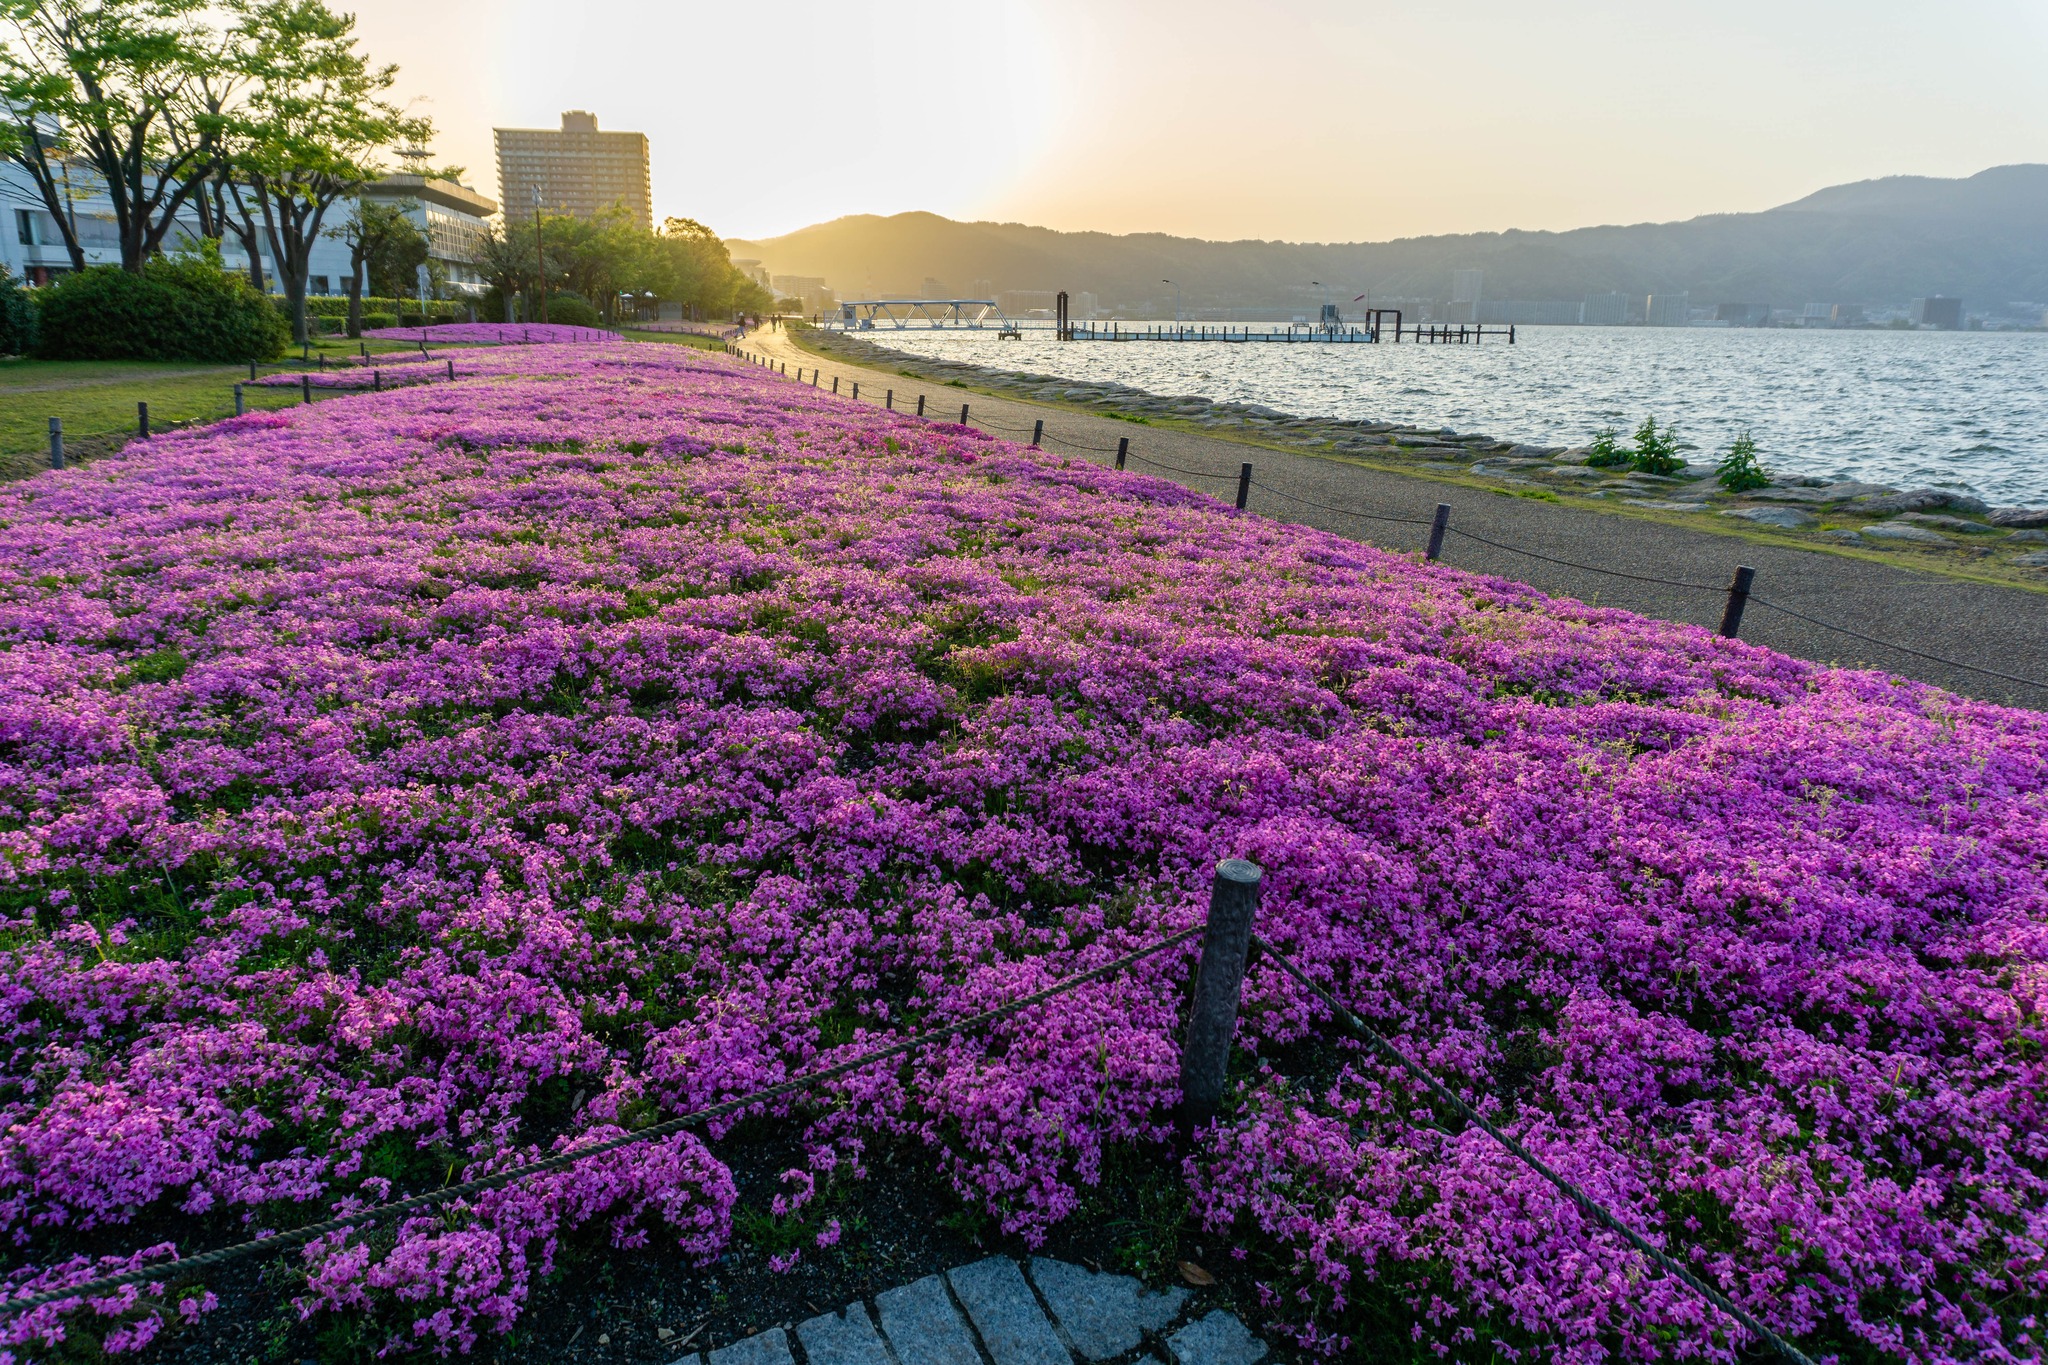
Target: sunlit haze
[[1307, 121]]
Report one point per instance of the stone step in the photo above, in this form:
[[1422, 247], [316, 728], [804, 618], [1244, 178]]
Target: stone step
[[996, 1312]]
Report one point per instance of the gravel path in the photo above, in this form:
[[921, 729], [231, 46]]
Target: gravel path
[[1997, 628]]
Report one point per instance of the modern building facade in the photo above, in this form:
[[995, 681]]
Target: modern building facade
[[578, 170], [1667, 310], [454, 217], [1938, 311]]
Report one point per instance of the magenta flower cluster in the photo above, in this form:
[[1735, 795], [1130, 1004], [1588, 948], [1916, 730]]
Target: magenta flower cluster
[[400, 788], [493, 333]]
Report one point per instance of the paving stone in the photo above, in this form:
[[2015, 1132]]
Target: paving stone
[[1103, 1315], [766, 1348], [846, 1338], [1219, 1339], [921, 1323], [1006, 1314]]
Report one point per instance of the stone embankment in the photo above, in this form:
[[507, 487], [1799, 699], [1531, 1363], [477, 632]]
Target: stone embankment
[[1874, 516]]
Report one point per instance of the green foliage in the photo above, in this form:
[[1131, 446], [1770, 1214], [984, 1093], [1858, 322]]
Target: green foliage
[[1738, 470], [125, 83], [1656, 452], [1606, 452], [372, 321], [176, 308], [334, 307], [598, 258], [396, 250], [17, 317], [572, 310]]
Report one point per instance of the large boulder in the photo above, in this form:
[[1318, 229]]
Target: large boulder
[[1911, 535], [1790, 518], [2026, 517], [1919, 500]]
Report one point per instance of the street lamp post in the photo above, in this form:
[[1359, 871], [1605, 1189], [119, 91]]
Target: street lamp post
[[1176, 304], [540, 256]]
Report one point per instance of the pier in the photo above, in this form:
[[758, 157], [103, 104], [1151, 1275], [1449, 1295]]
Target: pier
[[1374, 326]]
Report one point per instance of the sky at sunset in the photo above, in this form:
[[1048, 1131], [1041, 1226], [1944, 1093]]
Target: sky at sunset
[[1313, 120]]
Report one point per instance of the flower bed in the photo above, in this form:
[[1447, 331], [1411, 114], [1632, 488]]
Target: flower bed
[[494, 333], [408, 785]]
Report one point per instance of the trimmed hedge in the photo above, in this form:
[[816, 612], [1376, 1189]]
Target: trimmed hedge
[[177, 308]]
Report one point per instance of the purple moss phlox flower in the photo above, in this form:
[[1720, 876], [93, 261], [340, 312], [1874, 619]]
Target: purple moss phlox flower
[[408, 786]]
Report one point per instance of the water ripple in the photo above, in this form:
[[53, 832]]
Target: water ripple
[[1960, 408]]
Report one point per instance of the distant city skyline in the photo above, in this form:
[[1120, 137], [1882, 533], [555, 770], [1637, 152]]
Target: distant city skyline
[[1321, 121]]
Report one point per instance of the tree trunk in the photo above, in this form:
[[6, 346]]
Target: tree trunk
[[355, 301]]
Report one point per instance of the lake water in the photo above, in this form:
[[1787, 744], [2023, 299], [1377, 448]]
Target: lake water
[[1952, 409]]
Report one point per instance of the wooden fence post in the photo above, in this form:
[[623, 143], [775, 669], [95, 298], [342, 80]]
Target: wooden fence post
[[142, 420], [241, 406], [920, 405], [306, 386], [1738, 598], [963, 414], [1038, 431], [1123, 448], [1244, 486], [1438, 524], [56, 443], [1217, 988]]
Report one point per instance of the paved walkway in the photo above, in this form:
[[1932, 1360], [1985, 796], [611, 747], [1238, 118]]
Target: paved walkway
[[994, 1313], [1994, 627]]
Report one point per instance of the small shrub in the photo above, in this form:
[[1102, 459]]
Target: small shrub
[[372, 321], [1738, 470], [572, 311], [1605, 452], [183, 307], [17, 316], [1656, 452]]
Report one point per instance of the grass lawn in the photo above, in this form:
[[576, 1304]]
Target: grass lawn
[[702, 343], [96, 400]]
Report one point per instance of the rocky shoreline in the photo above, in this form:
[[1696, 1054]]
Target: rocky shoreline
[[1841, 512]]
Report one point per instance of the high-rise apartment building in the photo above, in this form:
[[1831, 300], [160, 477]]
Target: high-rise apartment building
[[579, 170]]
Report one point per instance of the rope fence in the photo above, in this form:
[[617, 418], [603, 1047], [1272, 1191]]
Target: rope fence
[[1444, 1096], [1215, 996], [1737, 592], [265, 1246]]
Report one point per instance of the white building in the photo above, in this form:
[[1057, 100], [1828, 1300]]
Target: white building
[[454, 217]]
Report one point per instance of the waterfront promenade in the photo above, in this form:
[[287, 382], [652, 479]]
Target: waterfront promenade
[[1993, 627]]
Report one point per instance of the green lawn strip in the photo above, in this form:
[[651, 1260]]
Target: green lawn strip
[[702, 343], [1937, 562]]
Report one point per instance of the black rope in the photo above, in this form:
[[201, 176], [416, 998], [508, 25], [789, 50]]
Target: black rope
[[1191, 473], [1589, 568], [1076, 445], [313, 1231], [1886, 644], [1340, 511], [1444, 1095]]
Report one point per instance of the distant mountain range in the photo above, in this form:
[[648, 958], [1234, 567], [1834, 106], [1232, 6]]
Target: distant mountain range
[[1874, 243]]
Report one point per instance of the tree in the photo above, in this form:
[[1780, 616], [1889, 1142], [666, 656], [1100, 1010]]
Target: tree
[[381, 239], [111, 83], [312, 128]]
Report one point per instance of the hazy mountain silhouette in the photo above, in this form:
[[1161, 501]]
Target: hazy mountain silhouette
[[1984, 238]]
